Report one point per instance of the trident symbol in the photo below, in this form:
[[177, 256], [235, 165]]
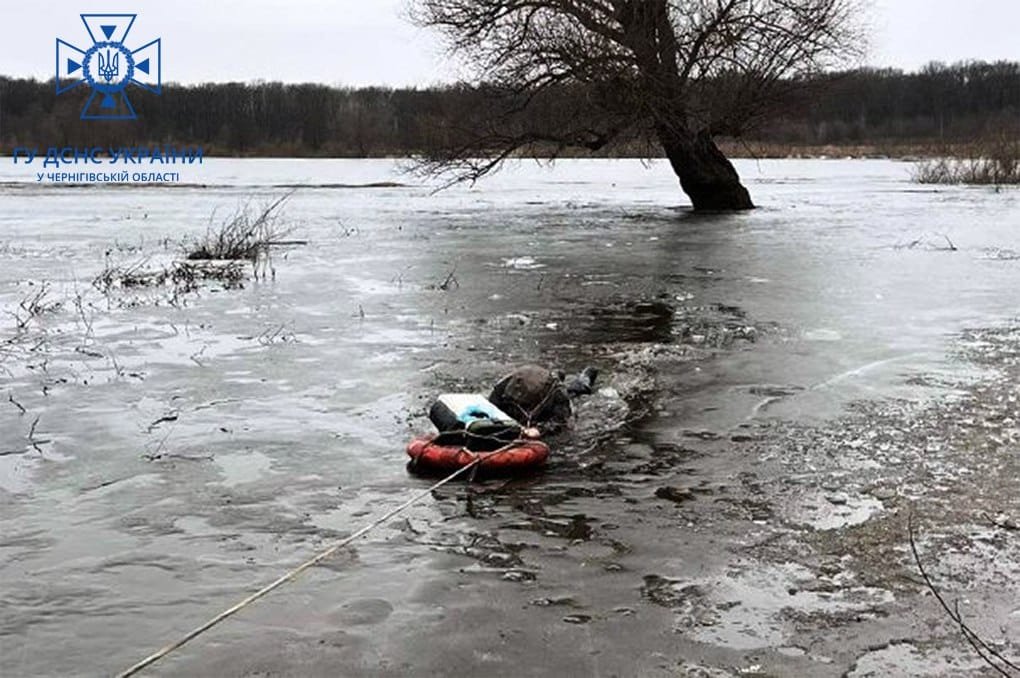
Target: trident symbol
[[109, 67]]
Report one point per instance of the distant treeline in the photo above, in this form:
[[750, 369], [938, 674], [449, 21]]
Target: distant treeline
[[939, 104]]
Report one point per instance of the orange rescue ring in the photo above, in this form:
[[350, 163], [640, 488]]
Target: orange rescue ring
[[518, 456]]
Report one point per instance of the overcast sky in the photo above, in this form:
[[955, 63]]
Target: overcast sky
[[359, 42]]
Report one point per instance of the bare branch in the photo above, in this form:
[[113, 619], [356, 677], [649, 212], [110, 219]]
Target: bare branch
[[988, 654]]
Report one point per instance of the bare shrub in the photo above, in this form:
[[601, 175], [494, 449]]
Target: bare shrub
[[219, 256], [34, 305], [246, 235], [994, 163], [182, 276]]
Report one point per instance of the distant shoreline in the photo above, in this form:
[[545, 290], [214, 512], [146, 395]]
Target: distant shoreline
[[760, 150], [907, 151]]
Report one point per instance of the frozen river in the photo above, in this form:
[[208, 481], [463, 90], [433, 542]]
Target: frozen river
[[161, 457]]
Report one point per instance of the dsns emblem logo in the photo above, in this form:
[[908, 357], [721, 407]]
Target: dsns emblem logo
[[108, 67]]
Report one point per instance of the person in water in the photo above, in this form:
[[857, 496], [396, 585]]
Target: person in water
[[534, 395]]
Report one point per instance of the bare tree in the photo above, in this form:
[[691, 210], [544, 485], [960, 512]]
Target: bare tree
[[678, 73]]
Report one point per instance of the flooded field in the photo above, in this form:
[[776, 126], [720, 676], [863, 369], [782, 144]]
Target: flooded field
[[780, 391]]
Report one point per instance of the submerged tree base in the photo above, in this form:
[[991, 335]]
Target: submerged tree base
[[706, 174]]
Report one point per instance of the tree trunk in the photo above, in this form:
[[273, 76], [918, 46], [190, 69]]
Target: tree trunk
[[706, 175]]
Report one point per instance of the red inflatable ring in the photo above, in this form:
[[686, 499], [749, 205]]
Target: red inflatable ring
[[517, 457]]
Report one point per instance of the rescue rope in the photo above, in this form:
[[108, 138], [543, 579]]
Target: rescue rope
[[153, 658]]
